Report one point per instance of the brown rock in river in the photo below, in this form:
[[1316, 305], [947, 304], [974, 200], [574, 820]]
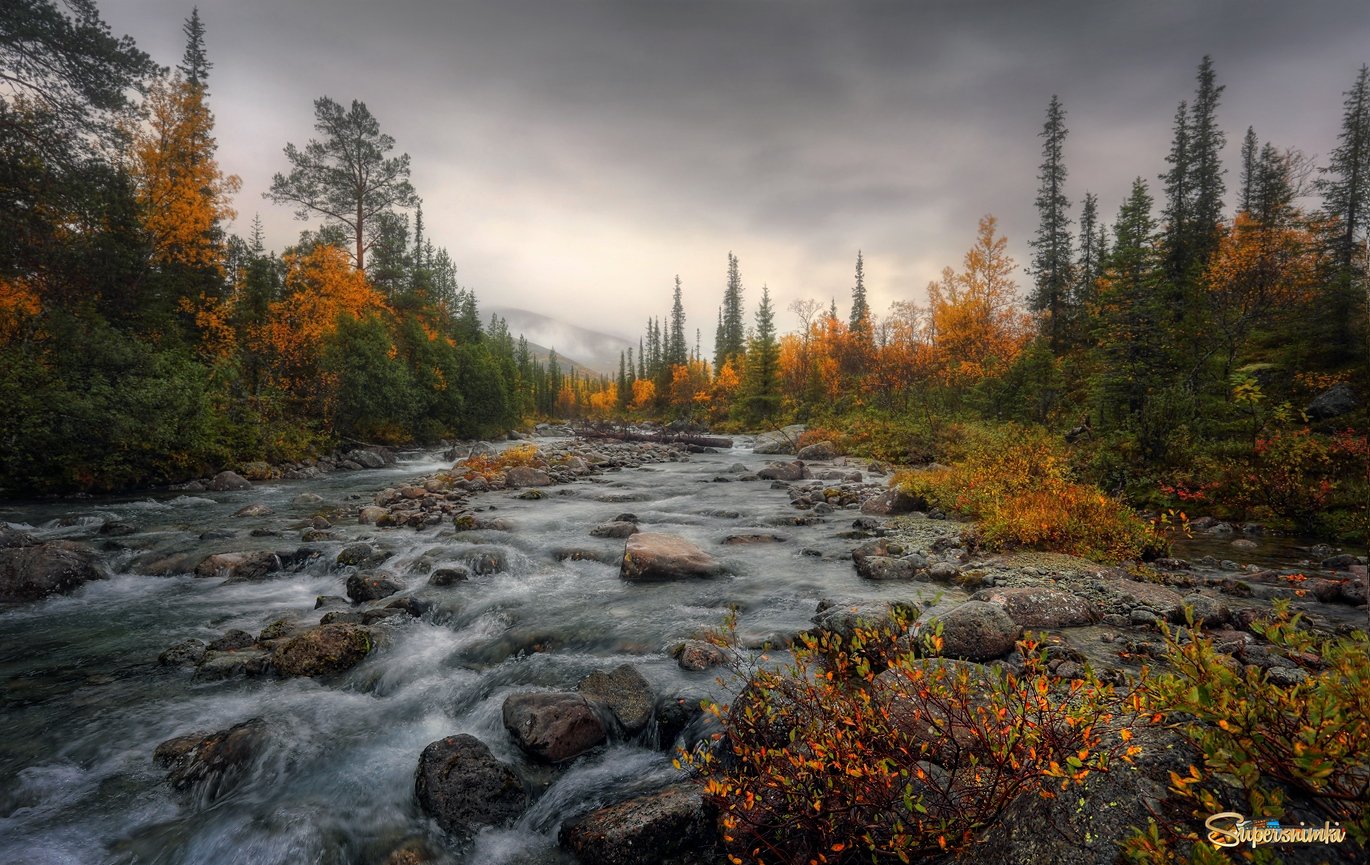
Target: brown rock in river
[[657, 556]]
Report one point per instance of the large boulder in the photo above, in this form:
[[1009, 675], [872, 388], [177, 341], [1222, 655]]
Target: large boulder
[[1333, 402], [791, 471], [1126, 595], [526, 476], [229, 481], [28, 573], [370, 587], [367, 458], [625, 692], [892, 501], [781, 441], [553, 727], [323, 651], [657, 556], [648, 830], [1090, 824], [973, 631], [460, 784], [843, 618], [213, 763], [819, 451], [1041, 607]]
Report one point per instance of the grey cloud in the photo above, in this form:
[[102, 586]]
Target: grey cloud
[[591, 150]]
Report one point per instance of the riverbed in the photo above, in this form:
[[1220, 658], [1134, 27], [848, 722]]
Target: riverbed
[[85, 702]]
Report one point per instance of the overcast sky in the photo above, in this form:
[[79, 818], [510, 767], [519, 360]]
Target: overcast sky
[[574, 156]]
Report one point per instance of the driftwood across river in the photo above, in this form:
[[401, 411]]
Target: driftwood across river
[[602, 431]]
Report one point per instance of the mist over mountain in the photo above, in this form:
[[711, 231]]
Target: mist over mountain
[[590, 348]]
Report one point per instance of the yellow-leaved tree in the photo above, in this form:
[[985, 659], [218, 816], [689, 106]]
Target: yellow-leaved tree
[[181, 190], [974, 320]]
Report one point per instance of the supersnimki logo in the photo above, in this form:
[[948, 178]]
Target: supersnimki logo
[[1230, 829]]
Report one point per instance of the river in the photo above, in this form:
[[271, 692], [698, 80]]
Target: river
[[85, 702]]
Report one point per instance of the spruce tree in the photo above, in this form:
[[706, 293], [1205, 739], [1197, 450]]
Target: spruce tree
[[1090, 263], [677, 354], [1051, 263], [1345, 181], [1206, 146], [860, 322], [1250, 155], [1179, 197], [733, 329], [195, 65], [1130, 336], [761, 387]]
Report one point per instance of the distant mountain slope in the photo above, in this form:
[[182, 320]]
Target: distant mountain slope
[[592, 349], [541, 353]]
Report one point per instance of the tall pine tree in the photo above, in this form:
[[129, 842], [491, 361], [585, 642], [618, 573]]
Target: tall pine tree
[[860, 322], [1345, 188], [1051, 262], [677, 353]]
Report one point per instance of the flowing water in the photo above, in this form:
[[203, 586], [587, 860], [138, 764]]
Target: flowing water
[[84, 702]]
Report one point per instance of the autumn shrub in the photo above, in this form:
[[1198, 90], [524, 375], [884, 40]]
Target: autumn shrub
[[491, 466], [1017, 482], [1301, 747], [827, 760]]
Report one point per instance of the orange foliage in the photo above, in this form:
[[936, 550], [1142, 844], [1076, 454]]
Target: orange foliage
[[604, 402], [690, 385], [214, 322], [974, 321], [320, 286], [181, 190], [1258, 272], [644, 392], [17, 302]]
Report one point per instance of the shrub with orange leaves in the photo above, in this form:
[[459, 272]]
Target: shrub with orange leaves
[[1289, 748], [491, 466], [1017, 483], [835, 760]]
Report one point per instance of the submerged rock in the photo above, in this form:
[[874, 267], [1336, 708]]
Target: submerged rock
[[614, 529], [462, 786], [212, 762], [657, 556], [30, 572], [184, 654], [553, 727], [647, 830]]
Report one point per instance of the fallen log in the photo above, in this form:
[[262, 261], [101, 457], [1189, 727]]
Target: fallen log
[[627, 435]]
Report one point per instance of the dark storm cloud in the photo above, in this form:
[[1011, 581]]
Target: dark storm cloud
[[593, 150]]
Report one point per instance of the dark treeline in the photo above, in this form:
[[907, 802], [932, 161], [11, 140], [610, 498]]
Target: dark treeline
[[139, 342]]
